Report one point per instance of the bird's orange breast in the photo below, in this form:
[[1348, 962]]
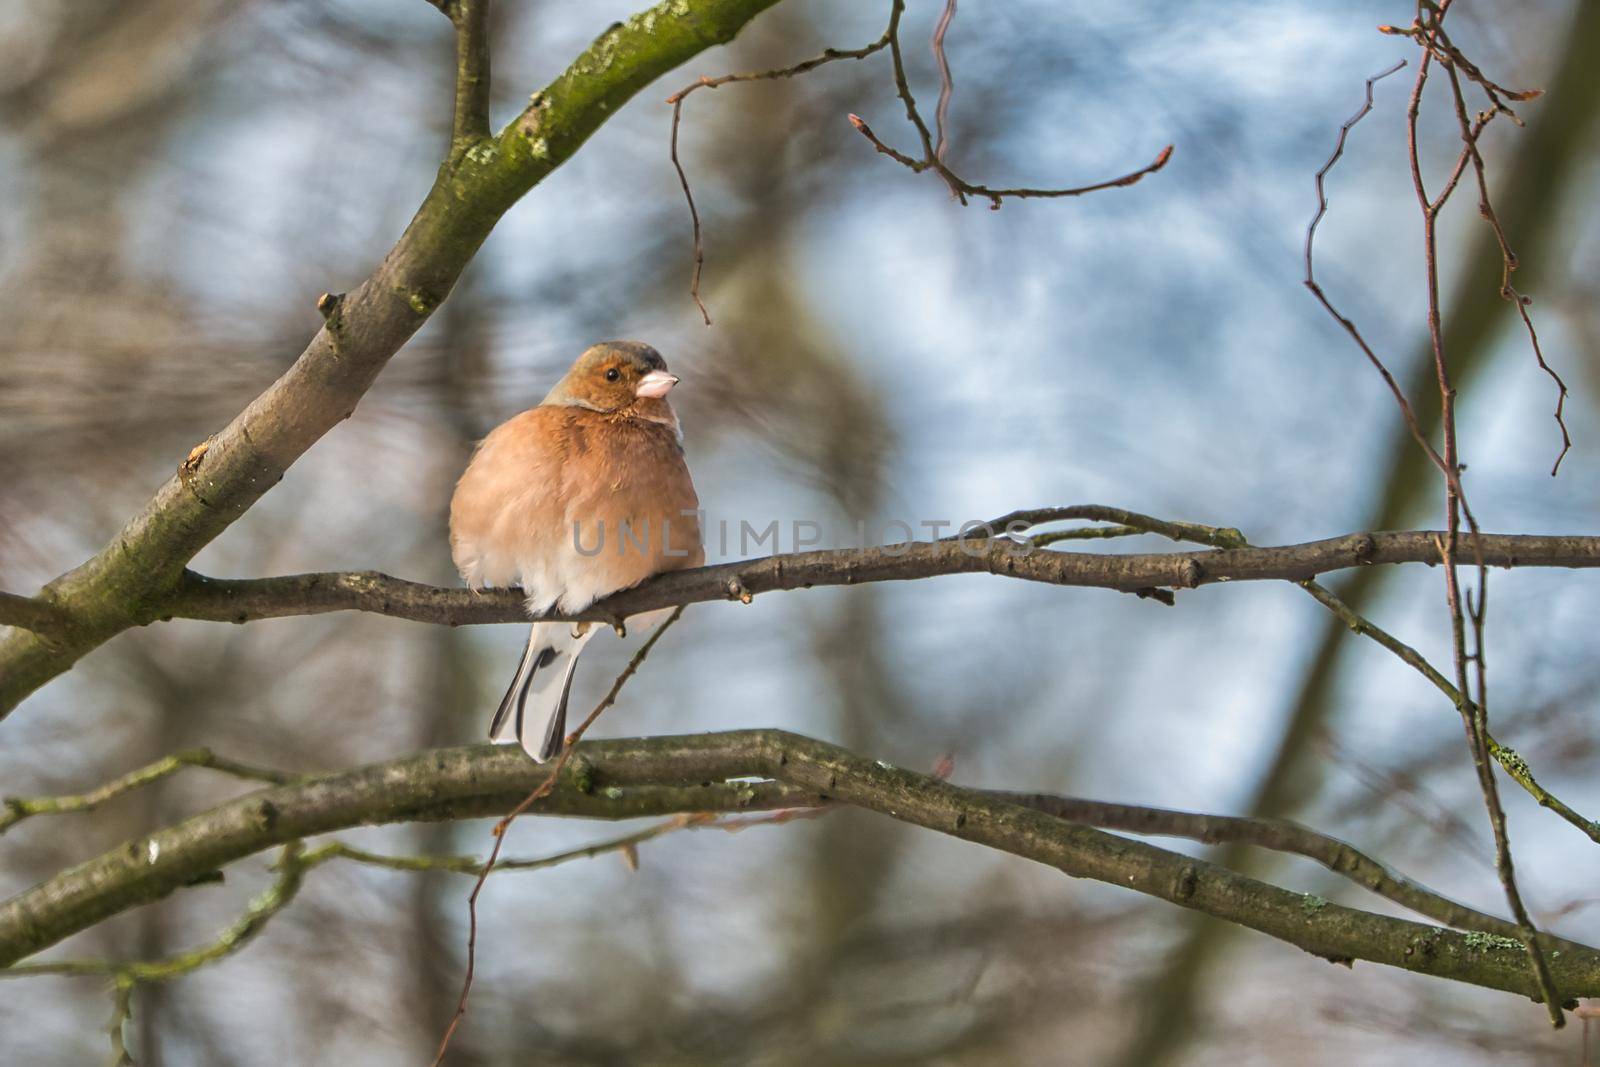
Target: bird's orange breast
[[574, 504]]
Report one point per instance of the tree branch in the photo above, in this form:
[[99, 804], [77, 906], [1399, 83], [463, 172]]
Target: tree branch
[[456, 783], [933, 154], [14, 809], [658, 775], [292, 866], [296, 861], [1513, 764], [130, 581], [828, 55], [248, 599], [471, 122], [1277, 835], [29, 613]]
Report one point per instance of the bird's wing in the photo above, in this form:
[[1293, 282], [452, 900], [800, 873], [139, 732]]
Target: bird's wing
[[506, 514]]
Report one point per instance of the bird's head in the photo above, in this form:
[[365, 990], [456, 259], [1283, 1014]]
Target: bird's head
[[614, 376]]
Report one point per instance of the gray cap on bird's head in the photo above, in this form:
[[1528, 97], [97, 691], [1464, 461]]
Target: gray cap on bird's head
[[612, 375]]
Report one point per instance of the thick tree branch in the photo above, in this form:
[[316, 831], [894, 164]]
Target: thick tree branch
[[292, 867], [297, 860], [131, 580], [1278, 835], [704, 772], [453, 783], [248, 599]]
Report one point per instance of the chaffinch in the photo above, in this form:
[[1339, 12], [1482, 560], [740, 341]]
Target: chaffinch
[[580, 497]]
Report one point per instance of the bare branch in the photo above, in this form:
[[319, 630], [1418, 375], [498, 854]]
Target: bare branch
[[291, 867], [1274, 834], [1278, 835], [1513, 764], [1470, 131], [467, 782], [677, 99], [121, 1015], [249, 599], [933, 153], [474, 865], [624, 778], [1474, 712], [1317, 291], [947, 81], [471, 122], [14, 809]]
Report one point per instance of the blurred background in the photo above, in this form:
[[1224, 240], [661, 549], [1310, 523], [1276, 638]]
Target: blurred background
[[183, 177]]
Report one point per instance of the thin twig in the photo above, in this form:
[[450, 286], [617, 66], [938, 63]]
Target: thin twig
[[121, 1016], [1512, 763], [126, 976], [541, 790], [1426, 30], [15, 809], [1338, 153], [1317, 291], [677, 99], [933, 153], [947, 83], [626, 843], [1470, 131], [1084, 533], [1521, 304], [474, 865], [291, 871], [1022, 519], [1434, 38], [1474, 712], [694, 214]]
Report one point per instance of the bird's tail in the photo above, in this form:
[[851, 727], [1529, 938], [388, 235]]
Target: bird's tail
[[534, 710]]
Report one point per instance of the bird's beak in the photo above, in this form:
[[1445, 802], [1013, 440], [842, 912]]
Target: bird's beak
[[655, 384]]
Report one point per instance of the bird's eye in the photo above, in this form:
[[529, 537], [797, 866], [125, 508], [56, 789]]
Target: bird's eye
[[613, 374]]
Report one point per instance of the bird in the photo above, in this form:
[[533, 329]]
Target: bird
[[583, 496]]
